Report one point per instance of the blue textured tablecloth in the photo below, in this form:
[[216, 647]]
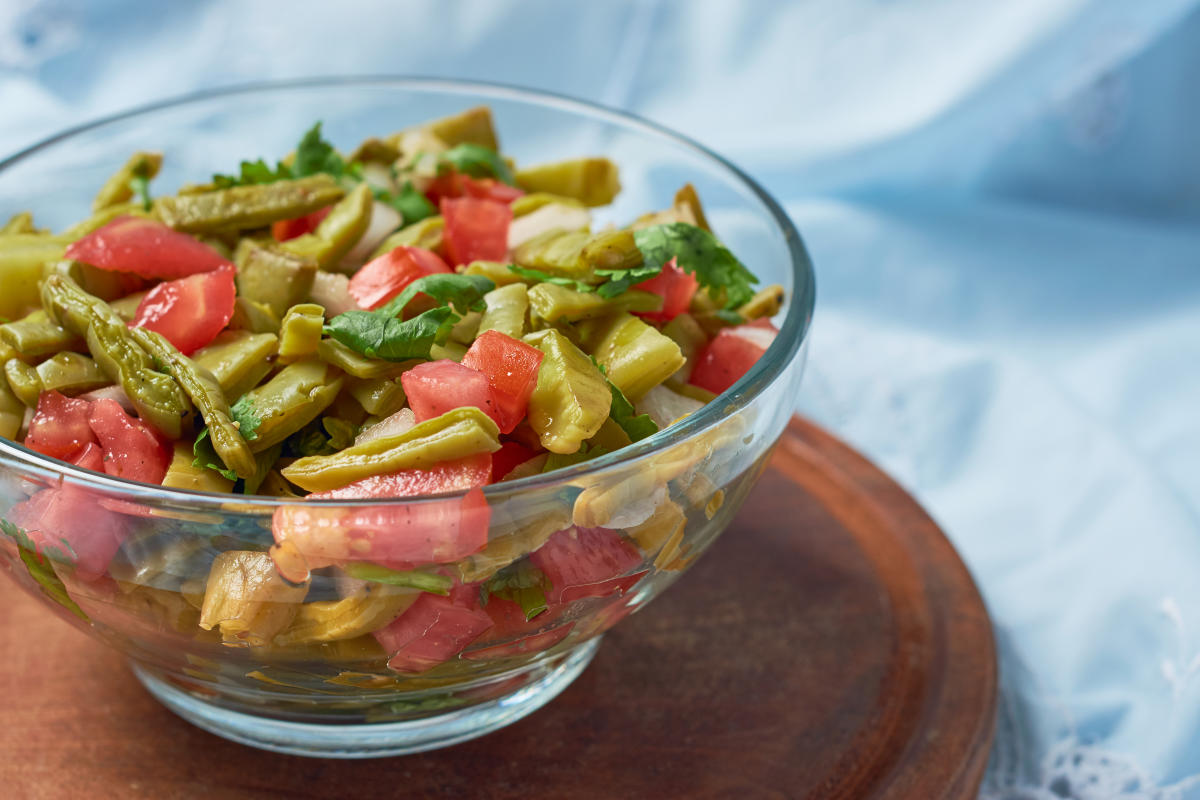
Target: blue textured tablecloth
[[1002, 203]]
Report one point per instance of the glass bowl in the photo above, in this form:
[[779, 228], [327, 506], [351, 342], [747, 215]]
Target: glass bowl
[[269, 675]]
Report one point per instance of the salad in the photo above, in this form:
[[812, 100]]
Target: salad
[[418, 317]]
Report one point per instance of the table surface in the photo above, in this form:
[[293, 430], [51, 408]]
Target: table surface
[[830, 645]]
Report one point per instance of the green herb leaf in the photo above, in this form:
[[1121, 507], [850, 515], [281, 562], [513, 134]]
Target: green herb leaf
[[463, 292], [636, 426], [697, 251], [206, 457], [243, 414], [252, 173], [412, 205], [377, 335], [314, 155], [140, 185], [40, 569], [538, 275], [414, 579], [523, 584], [621, 280], [478, 162], [728, 316]]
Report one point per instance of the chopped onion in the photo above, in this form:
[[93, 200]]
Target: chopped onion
[[384, 220], [394, 425], [332, 291], [112, 392], [665, 405]]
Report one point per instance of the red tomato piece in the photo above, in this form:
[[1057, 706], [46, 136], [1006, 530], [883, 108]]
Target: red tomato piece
[[286, 229], [132, 449], [731, 354], [401, 534], [382, 278], [92, 457], [434, 629], [435, 387], [509, 457], [586, 562], [59, 426], [189, 311], [69, 520], [512, 634], [490, 189], [511, 368], [476, 230], [675, 287], [145, 247]]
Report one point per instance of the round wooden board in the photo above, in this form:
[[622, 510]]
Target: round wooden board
[[830, 645]]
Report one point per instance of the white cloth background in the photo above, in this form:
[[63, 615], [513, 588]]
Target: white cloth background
[[1002, 203]]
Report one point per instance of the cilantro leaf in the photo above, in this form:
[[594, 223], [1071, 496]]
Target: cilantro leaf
[[478, 162], [252, 173], [140, 185], [412, 205], [244, 416], [636, 426], [463, 292], [538, 275], [377, 335], [40, 569], [206, 457], [523, 584], [416, 579], [697, 251], [621, 280]]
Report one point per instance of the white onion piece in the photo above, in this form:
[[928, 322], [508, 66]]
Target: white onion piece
[[332, 291], [665, 405], [547, 218], [397, 423], [757, 336], [379, 176], [384, 220], [639, 510], [113, 392]]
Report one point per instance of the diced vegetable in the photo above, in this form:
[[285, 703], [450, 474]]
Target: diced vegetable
[[729, 356], [511, 368], [145, 247], [476, 230], [386, 276], [586, 562], [434, 630], [190, 311]]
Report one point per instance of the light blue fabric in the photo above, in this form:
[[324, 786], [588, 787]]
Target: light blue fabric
[[1002, 202]]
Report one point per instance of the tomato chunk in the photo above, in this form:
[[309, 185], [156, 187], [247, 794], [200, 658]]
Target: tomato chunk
[[586, 562], [476, 230], [451, 184], [399, 534], [69, 520], [511, 368], [514, 634], [675, 287], [190, 311], [286, 229], [59, 427], [132, 449], [730, 355], [509, 457], [382, 278], [145, 247], [434, 629], [435, 387]]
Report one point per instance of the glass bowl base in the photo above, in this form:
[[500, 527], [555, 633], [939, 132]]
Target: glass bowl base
[[370, 740]]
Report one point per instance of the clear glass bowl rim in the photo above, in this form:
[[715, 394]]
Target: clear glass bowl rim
[[768, 368]]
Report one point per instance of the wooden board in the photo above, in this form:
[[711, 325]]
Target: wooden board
[[831, 644]]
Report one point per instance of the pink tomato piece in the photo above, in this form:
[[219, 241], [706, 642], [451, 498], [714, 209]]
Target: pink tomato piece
[[67, 520], [675, 287], [132, 449], [59, 427], [435, 387], [190, 311], [382, 278], [586, 562], [434, 630], [476, 229], [730, 355], [511, 368], [147, 248], [286, 229]]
